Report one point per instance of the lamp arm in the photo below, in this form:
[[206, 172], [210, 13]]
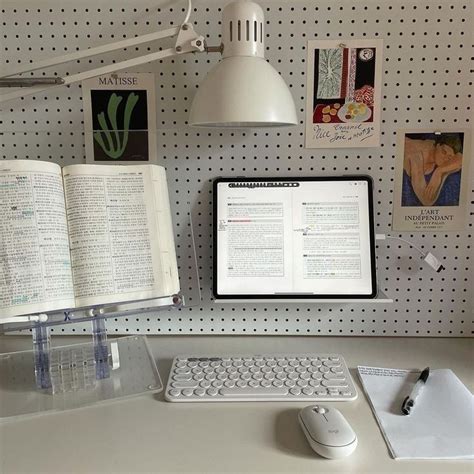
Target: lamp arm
[[188, 41]]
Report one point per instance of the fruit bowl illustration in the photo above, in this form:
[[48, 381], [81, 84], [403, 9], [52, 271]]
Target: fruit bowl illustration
[[354, 112]]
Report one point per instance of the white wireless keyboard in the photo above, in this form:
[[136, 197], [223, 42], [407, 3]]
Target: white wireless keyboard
[[249, 378]]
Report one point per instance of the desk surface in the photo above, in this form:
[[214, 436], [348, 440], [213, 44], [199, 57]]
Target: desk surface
[[147, 434]]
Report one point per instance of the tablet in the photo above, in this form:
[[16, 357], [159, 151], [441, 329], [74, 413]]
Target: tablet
[[294, 238]]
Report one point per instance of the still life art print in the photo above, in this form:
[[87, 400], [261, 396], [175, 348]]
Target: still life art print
[[343, 94], [120, 118], [431, 180]]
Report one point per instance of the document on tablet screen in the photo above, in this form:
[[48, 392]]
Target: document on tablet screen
[[294, 237]]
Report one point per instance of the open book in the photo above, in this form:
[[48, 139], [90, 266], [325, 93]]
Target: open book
[[84, 235]]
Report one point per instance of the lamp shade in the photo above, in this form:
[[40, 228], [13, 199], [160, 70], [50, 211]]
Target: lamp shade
[[243, 89]]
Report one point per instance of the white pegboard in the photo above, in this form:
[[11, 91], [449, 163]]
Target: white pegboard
[[426, 84]]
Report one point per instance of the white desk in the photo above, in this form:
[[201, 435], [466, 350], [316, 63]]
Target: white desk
[[147, 434]]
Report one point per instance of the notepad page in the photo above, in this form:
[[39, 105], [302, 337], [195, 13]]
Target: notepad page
[[441, 425]]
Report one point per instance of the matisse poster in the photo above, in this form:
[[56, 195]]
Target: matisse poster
[[343, 93], [120, 118], [432, 178]]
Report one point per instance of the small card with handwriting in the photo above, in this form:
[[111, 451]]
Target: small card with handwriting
[[440, 426]]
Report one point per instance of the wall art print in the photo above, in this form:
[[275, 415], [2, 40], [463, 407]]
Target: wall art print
[[431, 182], [120, 118], [343, 93]]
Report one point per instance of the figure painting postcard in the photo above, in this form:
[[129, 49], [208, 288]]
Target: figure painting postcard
[[120, 118], [432, 179], [343, 93]]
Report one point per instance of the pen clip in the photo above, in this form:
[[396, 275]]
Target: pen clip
[[406, 407]]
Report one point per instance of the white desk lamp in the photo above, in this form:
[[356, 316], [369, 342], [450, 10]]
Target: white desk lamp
[[242, 90]]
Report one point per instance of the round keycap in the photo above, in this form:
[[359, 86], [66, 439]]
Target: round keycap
[[277, 383], [241, 383], [187, 392], [212, 391], [290, 383], [174, 392], [229, 384], [308, 391], [293, 376], [210, 377], [217, 383], [270, 376], [295, 391], [314, 383], [199, 392], [302, 383], [257, 376], [254, 383], [266, 383], [205, 384]]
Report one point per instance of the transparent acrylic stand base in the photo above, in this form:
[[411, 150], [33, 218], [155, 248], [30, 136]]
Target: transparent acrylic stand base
[[73, 377]]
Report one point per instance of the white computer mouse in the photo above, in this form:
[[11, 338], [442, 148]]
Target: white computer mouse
[[327, 431]]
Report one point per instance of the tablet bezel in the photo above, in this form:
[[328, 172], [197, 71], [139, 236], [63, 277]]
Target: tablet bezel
[[295, 296]]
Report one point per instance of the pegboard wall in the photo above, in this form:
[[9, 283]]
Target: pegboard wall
[[427, 83]]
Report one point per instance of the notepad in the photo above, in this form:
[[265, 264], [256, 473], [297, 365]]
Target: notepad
[[441, 425]]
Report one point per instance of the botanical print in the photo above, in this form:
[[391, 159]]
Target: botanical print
[[431, 180], [120, 119], [330, 73], [120, 125], [343, 93]]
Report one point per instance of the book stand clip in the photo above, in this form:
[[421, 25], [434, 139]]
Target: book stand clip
[[47, 378]]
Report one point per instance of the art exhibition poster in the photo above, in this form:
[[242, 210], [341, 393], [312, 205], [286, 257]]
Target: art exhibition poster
[[432, 180], [120, 118]]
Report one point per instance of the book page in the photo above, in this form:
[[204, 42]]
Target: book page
[[331, 241], [114, 238], [254, 239], [35, 262]]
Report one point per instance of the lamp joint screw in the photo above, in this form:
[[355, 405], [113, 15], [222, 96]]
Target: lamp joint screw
[[198, 43], [185, 27], [179, 49]]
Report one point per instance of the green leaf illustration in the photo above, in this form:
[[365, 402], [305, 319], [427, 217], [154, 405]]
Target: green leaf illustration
[[114, 144]]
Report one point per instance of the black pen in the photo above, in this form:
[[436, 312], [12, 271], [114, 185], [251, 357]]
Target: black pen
[[409, 401]]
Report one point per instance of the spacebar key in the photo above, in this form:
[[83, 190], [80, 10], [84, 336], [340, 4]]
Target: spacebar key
[[254, 392]]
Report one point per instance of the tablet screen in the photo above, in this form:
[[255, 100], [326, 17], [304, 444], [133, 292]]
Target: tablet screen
[[294, 238]]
